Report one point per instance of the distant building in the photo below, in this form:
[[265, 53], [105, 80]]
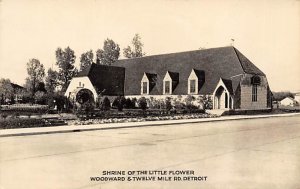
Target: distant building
[[297, 97], [224, 74], [288, 101], [14, 95]]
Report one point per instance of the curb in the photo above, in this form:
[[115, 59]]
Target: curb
[[72, 128]]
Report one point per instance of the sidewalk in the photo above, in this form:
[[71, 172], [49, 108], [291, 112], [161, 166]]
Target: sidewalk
[[78, 128]]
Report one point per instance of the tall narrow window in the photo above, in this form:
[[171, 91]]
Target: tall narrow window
[[226, 100], [192, 86], [145, 86], [254, 93], [79, 84], [167, 87]]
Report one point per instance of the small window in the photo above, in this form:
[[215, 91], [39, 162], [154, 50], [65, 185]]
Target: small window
[[144, 87], [254, 93], [82, 84], [79, 84], [167, 87], [192, 86]]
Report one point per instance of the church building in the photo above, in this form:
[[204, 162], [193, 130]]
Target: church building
[[224, 74]]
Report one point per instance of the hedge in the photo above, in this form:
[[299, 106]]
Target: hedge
[[21, 123], [25, 108]]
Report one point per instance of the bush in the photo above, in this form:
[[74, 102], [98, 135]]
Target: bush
[[21, 123], [86, 109], [129, 104], [208, 103], [59, 101], [134, 102], [4, 116], [27, 98], [105, 104], [41, 98], [143, 103], [168, 104], [119, 103], [25, 108]]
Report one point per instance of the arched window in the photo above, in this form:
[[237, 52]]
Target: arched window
[[255, 80]]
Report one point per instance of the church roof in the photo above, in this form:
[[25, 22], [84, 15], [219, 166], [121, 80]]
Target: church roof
[[107, 80], [215, 63]]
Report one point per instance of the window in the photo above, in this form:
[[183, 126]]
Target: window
[[167, 87], [82, 84], [192, 86], [254, 93], [79, 84], [226, 100], [144, 87]]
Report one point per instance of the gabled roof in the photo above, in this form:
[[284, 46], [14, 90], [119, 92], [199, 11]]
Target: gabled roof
[[200, 74], [228, 85], [290, 98], [108, 80], [16, 86], [223, 62], [151, 77], [174, 76], [247, 65]]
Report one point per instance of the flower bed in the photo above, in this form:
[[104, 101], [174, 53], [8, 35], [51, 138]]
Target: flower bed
[[139, 119]]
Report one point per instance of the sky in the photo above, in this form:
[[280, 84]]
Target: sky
[[266, 31]]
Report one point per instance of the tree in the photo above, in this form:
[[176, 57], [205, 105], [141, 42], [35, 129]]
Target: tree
[[278, 96], [51, 80], [65, 60], [6, 89], [136, 50], [109, 54], [36, 73], [86, 59]]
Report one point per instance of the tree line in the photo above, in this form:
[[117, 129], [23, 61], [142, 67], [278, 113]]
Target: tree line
[[40, 81]]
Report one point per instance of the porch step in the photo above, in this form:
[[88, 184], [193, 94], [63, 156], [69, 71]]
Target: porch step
[[218, 112]]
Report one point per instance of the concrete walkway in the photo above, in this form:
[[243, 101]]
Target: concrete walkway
[[79, 128]]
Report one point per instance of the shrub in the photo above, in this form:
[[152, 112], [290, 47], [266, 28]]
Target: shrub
[[41, 98], [27, 98], [129, 104], [134, 102], [21, 123], [105, 104], [58, 100], [12, 100], [143, 103], [4, 116], [208, 103], [168, 104], [119, 103], [87, 109]]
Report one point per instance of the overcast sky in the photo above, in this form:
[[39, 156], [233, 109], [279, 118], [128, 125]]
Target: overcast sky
[[266, 31]]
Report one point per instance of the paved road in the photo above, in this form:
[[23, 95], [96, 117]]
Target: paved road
[[257, 153]]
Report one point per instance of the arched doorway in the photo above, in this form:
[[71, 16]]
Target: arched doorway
[[221, 98], [84, 95]]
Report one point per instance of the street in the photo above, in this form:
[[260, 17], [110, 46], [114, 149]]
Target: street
[[254, 153]]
